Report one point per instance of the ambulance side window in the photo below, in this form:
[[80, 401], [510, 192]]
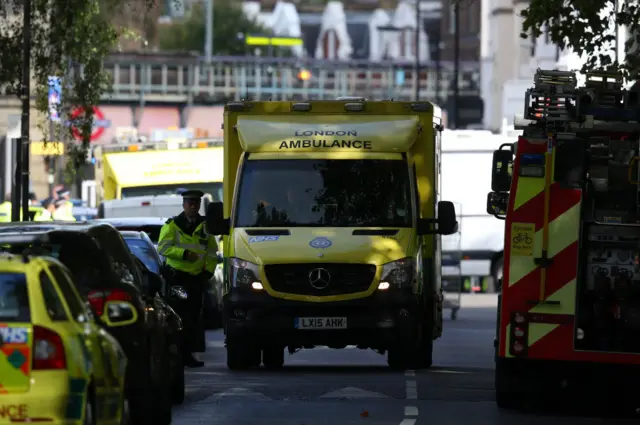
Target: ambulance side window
[[52, 301], [73, 301]]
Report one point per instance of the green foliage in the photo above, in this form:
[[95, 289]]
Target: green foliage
[[228, 22], [584, 26], [70, 39]]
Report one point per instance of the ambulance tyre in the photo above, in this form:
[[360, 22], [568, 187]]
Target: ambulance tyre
[[242, 355], [273, 357]]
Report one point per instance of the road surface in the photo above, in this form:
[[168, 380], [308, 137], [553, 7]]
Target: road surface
[[350, 386]]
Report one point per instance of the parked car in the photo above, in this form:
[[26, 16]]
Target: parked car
[[61, 366], [105, 270], [151, 265], [151, 226]]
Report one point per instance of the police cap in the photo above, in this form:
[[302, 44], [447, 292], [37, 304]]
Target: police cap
[[46, 203], [63, 192], [192, 194]]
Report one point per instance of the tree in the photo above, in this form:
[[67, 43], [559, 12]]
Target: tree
[[585, 26], [229, 21], [70, 39]]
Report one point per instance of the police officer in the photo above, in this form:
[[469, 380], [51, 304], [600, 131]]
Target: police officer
[[48, 209], [191, 255], [64, 207]]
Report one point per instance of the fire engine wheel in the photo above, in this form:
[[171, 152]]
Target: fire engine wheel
[[507, 397]]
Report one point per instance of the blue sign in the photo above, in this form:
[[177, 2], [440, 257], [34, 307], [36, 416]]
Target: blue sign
[[320, 242], [55, 97]]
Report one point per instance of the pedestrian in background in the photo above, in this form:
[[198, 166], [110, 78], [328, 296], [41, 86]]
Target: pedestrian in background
[[191, 255]]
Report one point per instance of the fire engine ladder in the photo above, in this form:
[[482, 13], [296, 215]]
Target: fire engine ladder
[[552, 102]]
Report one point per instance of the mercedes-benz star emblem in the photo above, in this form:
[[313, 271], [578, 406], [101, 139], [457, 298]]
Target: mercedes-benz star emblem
[[319, 278]]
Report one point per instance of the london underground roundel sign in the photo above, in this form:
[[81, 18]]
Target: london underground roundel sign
[[99, 123]]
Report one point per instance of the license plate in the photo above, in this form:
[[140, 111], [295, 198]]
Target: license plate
[[320, 323]]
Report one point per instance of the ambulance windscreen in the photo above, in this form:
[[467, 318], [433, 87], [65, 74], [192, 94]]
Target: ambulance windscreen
[[14, 298], [324, 193]]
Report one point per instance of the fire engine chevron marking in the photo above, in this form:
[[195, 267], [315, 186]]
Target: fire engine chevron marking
[[566, 296], [563, 231]]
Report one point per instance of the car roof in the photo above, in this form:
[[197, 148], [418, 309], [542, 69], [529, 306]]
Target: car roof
[[133, 221], [42, 227], [22, 263]]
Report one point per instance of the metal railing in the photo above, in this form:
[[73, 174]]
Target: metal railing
[[186, 79]]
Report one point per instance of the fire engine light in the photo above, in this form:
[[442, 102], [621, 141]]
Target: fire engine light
[[518, 332], [133, 148], [518, 348], [580, 334], [519, 318]]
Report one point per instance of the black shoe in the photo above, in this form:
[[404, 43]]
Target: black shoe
[[191, 361]]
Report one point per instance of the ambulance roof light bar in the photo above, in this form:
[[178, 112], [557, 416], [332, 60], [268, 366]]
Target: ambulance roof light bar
[[163, 145]]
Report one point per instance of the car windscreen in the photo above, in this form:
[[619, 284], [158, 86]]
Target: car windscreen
[[14, 298], [145, 253], [324, 192], [212, 188]]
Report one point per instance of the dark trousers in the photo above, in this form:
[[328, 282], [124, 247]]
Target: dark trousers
[[190, 310]]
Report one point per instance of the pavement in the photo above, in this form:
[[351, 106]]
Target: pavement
[[323, 386]]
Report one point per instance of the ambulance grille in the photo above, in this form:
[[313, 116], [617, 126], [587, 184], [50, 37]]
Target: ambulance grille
[[297, 278]]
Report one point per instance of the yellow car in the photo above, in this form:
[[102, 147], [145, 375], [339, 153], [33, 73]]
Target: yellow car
[[57, 365]]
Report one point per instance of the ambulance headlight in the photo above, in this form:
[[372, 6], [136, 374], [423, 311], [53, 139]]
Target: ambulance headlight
[[243, 273], [400, 273]]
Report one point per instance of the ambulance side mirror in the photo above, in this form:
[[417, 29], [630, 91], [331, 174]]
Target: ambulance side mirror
[[216, 223], [447, 222], [501, 170]]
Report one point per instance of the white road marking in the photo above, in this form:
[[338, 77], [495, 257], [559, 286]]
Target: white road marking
[[408, 421], [349, 393], [410, 373], [412, 389], [410, 411], [220, 344], [240, 393]]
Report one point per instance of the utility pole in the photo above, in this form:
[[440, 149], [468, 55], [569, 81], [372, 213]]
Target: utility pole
[[22, 152], [208, 42], [456, 64], [417, 42]]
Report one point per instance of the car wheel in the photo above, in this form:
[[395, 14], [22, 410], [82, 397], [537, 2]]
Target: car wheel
[[163, 411], [177, 385]]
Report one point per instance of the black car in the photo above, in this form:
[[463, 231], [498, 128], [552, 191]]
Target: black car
[[142, 247], [104, 269], [212, 312]]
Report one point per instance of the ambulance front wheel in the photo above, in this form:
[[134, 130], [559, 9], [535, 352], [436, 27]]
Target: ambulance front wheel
[[242, 355]]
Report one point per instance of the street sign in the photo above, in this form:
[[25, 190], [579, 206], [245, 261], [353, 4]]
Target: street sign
[[99, 123], [55, 97]]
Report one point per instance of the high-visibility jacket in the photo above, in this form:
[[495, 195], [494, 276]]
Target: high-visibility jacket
[[5, 212], [64, 212], [175, 240], [43, 215]]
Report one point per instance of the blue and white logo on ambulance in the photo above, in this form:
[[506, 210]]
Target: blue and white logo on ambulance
[[320, 242], [14, 335], [254, 239]]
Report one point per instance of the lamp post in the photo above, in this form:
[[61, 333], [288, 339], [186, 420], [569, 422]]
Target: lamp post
[[417, 42], [456, 63]]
